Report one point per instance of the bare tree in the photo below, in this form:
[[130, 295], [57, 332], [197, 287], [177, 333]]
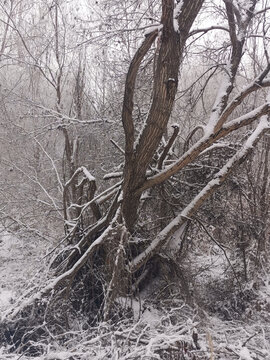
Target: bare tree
[[101, 251]]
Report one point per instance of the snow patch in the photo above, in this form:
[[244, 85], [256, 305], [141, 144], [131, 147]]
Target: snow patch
[[60, 355], [216, 111], [5, 298], [153, 28], [245, 354], [9, 243], [151, 316], [176, 239], [176, 13], [87, 174]]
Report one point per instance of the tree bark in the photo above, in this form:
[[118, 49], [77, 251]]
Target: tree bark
[[137, 159]]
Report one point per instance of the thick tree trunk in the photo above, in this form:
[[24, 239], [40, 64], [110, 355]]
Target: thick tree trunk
[[176, 22]]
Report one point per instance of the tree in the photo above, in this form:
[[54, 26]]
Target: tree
[[102, 255]]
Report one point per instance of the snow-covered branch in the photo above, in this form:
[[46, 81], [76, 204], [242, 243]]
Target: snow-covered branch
[[61, 279], [195, 204], [206, 141], [205, 30]]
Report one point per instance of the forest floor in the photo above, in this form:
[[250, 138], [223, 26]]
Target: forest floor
[[159, 324]]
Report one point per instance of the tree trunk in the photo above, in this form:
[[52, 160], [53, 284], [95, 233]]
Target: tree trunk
[[176, 23]]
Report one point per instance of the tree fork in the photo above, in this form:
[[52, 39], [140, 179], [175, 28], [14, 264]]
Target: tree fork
[[171, 49]]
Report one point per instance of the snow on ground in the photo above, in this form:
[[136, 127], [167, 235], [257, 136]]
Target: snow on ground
[[11, 257], [19, 260], [154, 325]]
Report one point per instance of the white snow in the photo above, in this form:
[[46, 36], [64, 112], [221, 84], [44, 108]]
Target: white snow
[[18, 260], [263, 124], [245, 354], [216, 111], [10, 256], [185, 214], [153, 328], [5, 298], [176, 13], [243, 6], [87, 174], [113, 175], [59, 355], [268, 95], [153, 28], [175, 241], [245, 90], [243, 118], [215, 146]]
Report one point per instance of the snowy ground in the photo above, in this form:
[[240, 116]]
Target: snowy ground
[[20, 259], [155, 326]]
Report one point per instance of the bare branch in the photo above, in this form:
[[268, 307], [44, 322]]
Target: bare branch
[[117, 146], [205, 30], [168, 146], [190, 136]]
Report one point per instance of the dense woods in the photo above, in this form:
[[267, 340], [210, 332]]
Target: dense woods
[[135, 146]]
